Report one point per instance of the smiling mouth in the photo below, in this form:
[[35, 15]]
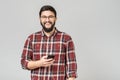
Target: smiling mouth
[[47, 23]]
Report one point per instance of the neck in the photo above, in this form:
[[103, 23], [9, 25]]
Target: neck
[[48, 34]]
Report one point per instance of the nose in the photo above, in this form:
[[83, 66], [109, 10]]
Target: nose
[[47, 19]]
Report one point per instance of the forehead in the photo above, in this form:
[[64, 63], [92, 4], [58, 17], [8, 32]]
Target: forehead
[[47, 13]]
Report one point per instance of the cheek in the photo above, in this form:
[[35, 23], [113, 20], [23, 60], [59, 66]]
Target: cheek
[[42, 22], [53, 21]]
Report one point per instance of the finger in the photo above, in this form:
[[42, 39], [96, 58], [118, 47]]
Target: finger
[[49, 60], [49, 63], [45, 57]]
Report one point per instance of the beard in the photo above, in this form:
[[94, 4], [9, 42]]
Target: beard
[[47, 29]]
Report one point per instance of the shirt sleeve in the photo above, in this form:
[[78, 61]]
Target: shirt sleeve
[[26, 54], [71, 64]]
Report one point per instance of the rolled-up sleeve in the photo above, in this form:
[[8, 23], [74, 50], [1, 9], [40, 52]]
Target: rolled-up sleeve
[[71, 64], [26, 54]]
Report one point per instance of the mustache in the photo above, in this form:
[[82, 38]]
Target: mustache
[[48, 22]]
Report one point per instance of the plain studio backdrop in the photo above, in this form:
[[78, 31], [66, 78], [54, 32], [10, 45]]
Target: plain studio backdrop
[[94, 26]]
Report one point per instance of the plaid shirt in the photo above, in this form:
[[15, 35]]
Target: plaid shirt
[[61, 45]]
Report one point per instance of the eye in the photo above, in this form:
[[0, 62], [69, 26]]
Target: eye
[[44, 17], [49, 17]]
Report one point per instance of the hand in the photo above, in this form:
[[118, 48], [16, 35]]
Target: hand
[[44, 62], [71, 78]]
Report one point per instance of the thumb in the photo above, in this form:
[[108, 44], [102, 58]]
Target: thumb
[[45, 57]]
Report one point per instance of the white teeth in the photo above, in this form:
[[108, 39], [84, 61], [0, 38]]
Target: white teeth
[[47, 23]]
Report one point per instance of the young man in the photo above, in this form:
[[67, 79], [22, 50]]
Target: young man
[[49, 41]]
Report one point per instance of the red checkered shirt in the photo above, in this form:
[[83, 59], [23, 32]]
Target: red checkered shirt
[[61, 45]]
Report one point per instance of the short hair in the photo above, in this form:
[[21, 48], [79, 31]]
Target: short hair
[[47, 8]]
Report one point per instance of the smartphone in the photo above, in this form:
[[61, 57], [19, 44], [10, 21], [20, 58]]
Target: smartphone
[[50, 56]]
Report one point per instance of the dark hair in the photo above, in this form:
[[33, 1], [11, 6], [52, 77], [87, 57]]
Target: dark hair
[[47, 8]]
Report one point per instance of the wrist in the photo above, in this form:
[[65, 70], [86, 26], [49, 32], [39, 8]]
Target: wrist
[[38, 63]]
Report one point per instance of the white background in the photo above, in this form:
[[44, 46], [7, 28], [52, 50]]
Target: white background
[[94, 26]]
